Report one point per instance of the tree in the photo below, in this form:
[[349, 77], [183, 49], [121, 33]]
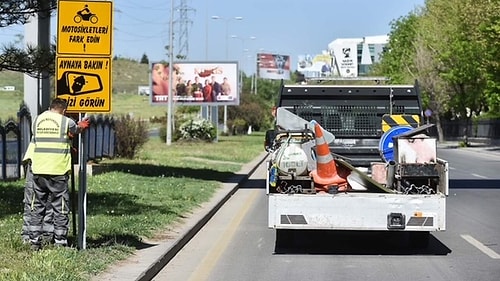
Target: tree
[[397, 62], [19, 11], [252, 110], [455, 47], [489, 35], [407, 58], [30, 60], [452, 48], [431, 85], [144, 59]]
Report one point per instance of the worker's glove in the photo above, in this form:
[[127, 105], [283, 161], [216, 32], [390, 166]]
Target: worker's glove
[[84, 124]]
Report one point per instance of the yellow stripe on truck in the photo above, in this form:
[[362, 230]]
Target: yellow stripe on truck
[[389, 121]]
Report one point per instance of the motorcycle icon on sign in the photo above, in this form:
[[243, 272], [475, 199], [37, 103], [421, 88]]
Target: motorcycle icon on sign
[[85, 15]]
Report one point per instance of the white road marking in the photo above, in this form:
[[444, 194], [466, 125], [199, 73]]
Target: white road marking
[[492, 254], [451, 168], [479, 176]]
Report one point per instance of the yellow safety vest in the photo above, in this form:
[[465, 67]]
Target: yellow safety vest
[[52, 149]]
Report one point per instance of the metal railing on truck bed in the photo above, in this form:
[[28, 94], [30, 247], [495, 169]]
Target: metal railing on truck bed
[[352, 113]]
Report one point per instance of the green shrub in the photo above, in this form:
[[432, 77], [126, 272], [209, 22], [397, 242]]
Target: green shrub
[[198, 129], [239, 126], [158, 119], [131, 135], [176, 135]]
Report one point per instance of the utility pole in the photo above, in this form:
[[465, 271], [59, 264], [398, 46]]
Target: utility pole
[[37, 33], [227, 55], [170, 75]]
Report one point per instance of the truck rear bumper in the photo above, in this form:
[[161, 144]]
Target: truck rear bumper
[[358, 211]]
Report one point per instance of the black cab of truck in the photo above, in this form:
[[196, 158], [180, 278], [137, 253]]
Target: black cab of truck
[[353, 114]]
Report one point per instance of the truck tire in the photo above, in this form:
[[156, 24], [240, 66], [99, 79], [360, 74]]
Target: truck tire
[[419, 239], [284, 240]]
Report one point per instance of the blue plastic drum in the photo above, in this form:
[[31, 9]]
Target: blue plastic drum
[[386, 144]]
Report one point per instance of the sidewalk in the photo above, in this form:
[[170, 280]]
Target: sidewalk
[[145, 263], [479, 147]]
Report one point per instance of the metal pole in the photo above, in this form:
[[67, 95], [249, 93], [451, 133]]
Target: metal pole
[[227, 35], [170, 75], [206, 31], [73, 194], [227, 58], [257, 73], [242, 64], [204, 108], [82, 191]]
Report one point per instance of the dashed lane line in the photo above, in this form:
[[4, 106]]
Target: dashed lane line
[[479, 176], [489, 252]]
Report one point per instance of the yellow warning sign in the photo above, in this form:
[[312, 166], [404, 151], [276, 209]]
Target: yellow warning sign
[[84, 82], [389, 121], [84, 27]]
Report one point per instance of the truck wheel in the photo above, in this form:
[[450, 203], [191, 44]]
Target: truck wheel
[[419, 239], [284, 240]]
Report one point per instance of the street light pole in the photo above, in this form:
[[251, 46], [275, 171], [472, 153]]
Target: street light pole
[[227, 58], [240, 80], [257, 56], [170, 75]]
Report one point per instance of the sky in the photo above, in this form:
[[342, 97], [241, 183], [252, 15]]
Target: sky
[[288, 27]]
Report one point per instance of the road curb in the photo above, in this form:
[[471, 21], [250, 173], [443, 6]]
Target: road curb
[[156, 267]]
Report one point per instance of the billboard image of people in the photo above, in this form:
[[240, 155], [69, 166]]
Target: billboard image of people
[[196, 83], [318, 66], [274, 66]]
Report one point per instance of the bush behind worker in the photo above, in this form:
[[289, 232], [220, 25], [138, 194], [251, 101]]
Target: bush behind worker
[[51, 164]]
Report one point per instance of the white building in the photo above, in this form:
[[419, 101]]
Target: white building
[[354, 56]]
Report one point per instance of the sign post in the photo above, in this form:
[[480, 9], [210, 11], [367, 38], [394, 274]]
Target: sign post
[[83, 73]]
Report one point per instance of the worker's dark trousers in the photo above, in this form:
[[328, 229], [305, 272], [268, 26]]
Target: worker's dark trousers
[[57, 186], [29, 197]]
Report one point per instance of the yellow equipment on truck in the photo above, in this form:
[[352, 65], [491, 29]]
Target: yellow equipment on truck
[[354, 158]]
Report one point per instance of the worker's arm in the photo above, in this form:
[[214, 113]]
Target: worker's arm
[[77, 128]]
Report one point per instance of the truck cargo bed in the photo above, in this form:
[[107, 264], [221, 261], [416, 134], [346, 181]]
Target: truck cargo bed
[[358, 211]]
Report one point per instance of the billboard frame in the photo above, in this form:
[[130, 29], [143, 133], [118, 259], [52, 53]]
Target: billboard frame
[[188, 70]]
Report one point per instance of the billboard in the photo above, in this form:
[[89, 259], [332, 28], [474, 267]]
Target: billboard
[[320, 65], [196, 83], [346, 58], [273, 66]]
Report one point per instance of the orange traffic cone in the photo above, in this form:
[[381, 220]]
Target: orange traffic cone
[[325, 175]]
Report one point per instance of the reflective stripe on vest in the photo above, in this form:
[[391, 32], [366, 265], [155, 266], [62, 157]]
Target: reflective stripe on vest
[[52, 150]]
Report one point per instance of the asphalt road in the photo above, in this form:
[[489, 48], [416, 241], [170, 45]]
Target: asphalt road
[[237, 245]]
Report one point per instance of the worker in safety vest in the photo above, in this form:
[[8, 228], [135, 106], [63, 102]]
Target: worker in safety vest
[[29, 197], [51, 165]]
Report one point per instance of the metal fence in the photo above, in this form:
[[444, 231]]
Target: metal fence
[[15, 136], [487, 129]]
